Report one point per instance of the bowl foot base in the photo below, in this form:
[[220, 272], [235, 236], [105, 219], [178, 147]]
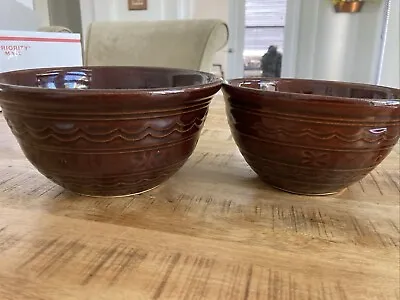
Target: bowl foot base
[[304, 193], [119, 196]]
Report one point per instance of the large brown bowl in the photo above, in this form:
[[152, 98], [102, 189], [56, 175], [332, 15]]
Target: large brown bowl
[[312, 137], [107, 131]]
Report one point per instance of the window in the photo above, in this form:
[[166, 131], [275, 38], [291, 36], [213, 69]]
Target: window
[[265, 22]]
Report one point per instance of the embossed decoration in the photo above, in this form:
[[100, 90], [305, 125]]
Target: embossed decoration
[[102, 135], [315, 158], [365, 135], [317, 137], [127, 131]]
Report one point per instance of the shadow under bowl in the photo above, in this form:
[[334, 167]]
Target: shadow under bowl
[[107, 131], [312, 137]]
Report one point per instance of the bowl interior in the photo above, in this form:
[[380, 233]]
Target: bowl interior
[[107, 78], [318, 88]]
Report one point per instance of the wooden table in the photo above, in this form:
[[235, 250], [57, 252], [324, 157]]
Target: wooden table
[[213, 231]]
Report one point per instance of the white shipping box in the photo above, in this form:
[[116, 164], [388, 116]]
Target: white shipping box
[[29, 49]]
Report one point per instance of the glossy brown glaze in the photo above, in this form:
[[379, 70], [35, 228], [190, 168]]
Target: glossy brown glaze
[[312, 137], [107, 131]]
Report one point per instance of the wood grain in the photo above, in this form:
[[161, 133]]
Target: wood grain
[[213, 231]]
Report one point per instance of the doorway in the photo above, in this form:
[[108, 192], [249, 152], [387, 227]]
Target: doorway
[[66, 13], [264, 27], [258, 24]]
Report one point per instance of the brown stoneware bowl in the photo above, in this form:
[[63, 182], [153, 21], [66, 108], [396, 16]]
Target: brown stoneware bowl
[[107, 131], [312, 137]]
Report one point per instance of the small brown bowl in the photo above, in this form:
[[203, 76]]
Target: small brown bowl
[[312, 137], [107, 131]]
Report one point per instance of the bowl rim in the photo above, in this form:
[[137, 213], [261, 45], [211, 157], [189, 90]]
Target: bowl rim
[[393, 101], [216, 81]]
